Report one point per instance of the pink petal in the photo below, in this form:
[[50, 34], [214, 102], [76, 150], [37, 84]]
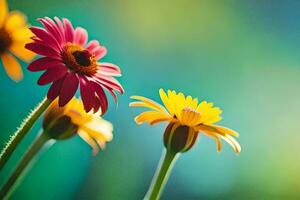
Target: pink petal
[[69, 88], [81, 36], [60, 26], [110, 66], [99, 52], [92, 45], [102, 97], [51, 27], [52, 74], [87, 94], [111, 91], [55, 88], [109, 69], [42, 50], [110, 81], [69, 30], [97, 104], [46, 38], [43, 63]]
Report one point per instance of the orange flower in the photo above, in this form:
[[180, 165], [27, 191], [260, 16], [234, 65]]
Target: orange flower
[[14, 34]]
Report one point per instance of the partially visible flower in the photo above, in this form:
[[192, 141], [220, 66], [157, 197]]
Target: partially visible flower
[[14, 34], [70, 62], [186, 119], [65, 122]]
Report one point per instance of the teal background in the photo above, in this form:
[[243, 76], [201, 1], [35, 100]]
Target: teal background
[[241, 55]]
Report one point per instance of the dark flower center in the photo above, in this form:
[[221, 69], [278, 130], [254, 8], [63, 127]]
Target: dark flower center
[[5, 40], [82, 57]]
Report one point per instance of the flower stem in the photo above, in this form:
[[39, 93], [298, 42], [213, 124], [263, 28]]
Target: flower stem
[[31, 152], [22, 131], [162, 174]]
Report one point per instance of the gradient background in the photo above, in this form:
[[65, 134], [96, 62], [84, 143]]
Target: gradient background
[[242, 55]]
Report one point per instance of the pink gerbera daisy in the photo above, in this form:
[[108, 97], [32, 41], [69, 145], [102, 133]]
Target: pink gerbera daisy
[[70, 62]]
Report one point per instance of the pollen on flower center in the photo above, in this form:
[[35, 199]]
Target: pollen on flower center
[[79, 59], [190, 110], [5, 40]]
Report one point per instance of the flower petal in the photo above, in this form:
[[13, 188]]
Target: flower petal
[[55, 88], [148, 103], [92, 45], [42, 50], [69, 30], [12, 67], [52, 28], [150, 117], [109, 69], [52, 74], [68, 89], [46, 38], [43, 64], [4, 11], [217, 129], [81, 36], [18, 49], [99, 52], [232, 142], [87, 94], [102, 97], [88, 139], [14, 21]]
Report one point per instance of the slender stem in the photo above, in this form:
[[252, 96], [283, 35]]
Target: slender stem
[[161, 175], [22, 131], [31, 152]]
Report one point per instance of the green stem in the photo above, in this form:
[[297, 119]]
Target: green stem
[[22, 131], [31, 152], [162, 174]]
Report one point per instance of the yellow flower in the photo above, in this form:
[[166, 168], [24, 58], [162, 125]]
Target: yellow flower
[[186, 119], [14, 34], [65, 122]]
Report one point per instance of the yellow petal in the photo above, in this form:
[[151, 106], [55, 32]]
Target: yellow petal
[[165, 99], [3, 11], [88, 139], [217, 129], [18, 48], [99, 126], [21, 34], [213, 120], [150, 116], [211, 113], [232, 142], [12, 67], [15, 20], [147, 103], [216, 138]]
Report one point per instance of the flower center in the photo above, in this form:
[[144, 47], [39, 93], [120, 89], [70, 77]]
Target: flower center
[[5, 40], [82, 57], [190, 110], [189, 116], [79, 60]]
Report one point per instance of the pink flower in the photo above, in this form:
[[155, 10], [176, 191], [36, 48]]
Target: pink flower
[[70, 62]]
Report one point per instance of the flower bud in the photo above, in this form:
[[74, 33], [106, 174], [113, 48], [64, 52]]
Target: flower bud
[[179, 138]]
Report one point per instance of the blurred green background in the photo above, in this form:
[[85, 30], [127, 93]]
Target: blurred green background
[[242, 55]]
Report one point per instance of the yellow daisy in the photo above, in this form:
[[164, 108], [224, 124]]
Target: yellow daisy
[[14, 34], [187, 118], [65, 122]]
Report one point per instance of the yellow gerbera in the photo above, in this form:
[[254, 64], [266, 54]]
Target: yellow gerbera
[[186, 119], [65, 122], [14, 34]]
